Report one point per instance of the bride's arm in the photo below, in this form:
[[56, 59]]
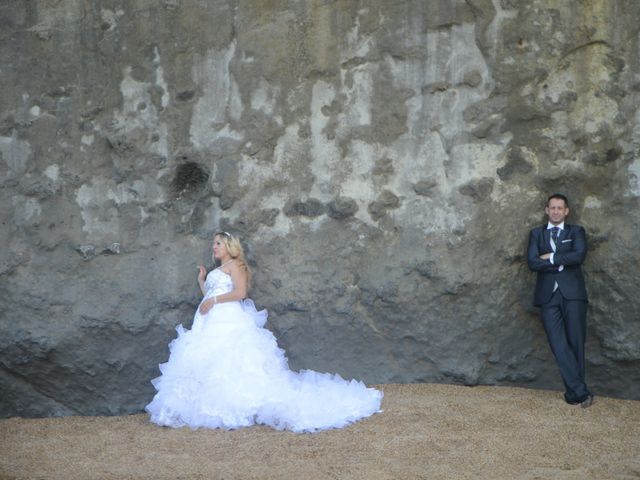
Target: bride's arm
[[239, 279]]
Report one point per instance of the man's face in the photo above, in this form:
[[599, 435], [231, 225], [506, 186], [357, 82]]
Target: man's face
[[556, 210]]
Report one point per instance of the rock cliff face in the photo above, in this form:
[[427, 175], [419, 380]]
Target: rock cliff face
[[382, 162]]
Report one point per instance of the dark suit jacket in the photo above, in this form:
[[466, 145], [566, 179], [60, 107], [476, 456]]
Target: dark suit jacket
[[571, 250]]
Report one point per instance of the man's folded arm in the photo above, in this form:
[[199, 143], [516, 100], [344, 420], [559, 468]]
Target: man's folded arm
[[536, 263], [578, 253]]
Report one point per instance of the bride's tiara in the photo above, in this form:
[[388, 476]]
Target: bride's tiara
[[226, 234]]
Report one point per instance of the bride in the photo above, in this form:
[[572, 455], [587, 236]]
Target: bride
[[228, 372]]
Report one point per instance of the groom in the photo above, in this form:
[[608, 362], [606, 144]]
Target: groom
[[556, 252]]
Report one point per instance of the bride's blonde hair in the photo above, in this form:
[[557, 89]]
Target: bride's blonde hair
[[234, 249]]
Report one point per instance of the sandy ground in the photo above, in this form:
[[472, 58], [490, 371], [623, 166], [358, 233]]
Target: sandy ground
[[425, 432]]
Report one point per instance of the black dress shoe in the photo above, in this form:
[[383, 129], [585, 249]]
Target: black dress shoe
[[587, 402], [571, 401]]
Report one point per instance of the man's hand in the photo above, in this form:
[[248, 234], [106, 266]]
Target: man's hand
[[546, 256]]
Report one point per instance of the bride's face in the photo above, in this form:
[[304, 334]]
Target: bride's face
[[219, 248]]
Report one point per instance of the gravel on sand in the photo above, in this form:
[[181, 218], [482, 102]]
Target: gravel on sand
[[425, 432]]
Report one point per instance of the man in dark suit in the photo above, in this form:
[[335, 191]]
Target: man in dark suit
[[556, 252]]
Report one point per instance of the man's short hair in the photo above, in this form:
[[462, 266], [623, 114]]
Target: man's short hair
[[559, 196]]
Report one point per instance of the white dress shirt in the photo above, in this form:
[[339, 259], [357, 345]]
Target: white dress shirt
[[553, 244]]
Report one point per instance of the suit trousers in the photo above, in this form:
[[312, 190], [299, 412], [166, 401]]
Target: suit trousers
[[565, 324]]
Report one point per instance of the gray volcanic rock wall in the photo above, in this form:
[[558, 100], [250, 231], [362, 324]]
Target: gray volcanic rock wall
[[382, 162]]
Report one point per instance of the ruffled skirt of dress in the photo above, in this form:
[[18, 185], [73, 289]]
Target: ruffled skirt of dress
[[227, 372]]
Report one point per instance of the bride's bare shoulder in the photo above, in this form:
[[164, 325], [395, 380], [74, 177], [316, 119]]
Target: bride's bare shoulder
[[234, 267]]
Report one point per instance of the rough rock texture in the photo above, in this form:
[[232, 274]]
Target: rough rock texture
[[382, 161]]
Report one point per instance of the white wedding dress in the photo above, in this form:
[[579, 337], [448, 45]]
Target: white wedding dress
[[228, 372]]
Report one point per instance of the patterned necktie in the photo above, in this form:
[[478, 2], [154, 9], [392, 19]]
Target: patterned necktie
[[554, 234]]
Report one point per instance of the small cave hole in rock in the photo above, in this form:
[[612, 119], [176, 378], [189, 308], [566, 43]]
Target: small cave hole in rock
[[189, 177]]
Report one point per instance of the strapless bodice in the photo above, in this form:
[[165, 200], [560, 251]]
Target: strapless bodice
[[217, 283]]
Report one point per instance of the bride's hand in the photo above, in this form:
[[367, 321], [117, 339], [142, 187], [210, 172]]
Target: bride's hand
[[202, 274], [206, 306]]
